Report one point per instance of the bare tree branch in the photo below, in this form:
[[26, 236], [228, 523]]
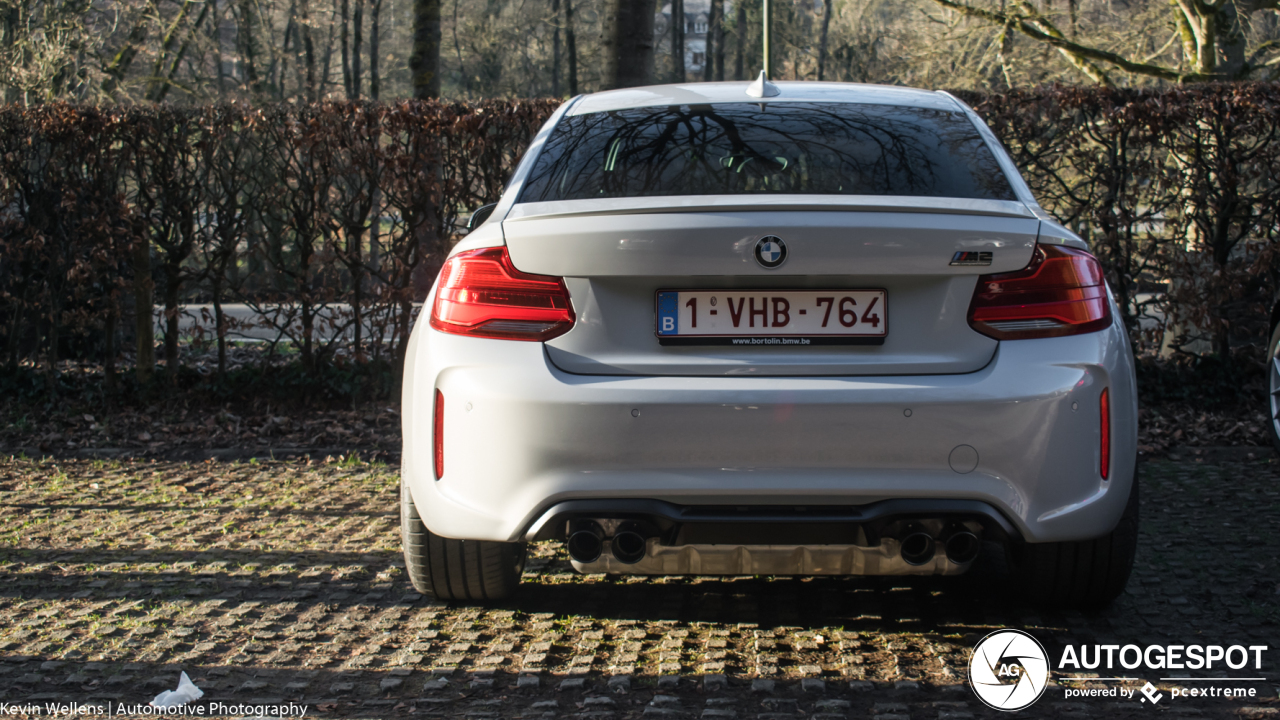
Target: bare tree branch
[[1030, 28]]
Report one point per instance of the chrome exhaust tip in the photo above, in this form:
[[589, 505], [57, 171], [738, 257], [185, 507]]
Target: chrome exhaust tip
[[963, 547], [586, 543], [917, 548]]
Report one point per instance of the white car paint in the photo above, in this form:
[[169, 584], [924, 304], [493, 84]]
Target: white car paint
[[604, 412]]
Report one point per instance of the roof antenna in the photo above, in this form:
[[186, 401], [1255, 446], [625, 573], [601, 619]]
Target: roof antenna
[[762, 88]]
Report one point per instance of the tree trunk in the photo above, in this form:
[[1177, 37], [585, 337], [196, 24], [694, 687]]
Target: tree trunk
[[357, 314], [144, 329], [571, 47], [375, 236], [457, 50], [302, 290], [555, 48], [355, 263], [424, 60], [220, 321], [322, 82], [344, 42], [162, 89], [626, 44], [308, 49], [171, 284], [215, 39], [404, 320], [166, 45], [740, 51], [1231, 47], [15, 327], [375, 82], [718, 8], [828, 7], [279, 77], [120, 63], [299, 62], [677, 40], [248, 49], [109, 345], [715, 40], [357, 41], [51, 356], [12, 21]]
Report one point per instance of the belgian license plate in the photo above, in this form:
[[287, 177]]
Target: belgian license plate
[[772, 317]]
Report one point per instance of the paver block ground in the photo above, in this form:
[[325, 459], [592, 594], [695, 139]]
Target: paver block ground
[[284, 581]]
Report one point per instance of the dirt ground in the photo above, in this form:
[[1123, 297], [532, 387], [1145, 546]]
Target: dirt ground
[[272, 582]]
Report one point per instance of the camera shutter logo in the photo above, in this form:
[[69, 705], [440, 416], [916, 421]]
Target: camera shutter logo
[[1009, 670]]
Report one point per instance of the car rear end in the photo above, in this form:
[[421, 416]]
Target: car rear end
[[827, 333]]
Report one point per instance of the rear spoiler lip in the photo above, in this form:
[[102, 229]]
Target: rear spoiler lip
[[769, 203]]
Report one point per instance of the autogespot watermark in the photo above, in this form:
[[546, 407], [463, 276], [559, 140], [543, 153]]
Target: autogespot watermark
[[1010, 669]]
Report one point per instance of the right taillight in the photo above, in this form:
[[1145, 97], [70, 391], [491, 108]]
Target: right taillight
[[1061, 292], [481, 294]]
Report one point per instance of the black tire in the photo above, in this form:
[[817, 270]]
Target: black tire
[[1085, 574], [1273, 388], [447, 569]]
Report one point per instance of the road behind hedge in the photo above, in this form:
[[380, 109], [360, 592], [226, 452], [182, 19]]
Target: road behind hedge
[[273, 582]]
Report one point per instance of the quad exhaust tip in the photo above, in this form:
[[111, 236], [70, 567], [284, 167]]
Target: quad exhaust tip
[[586, 543], [963, 547], [628, 546], [917, 548]]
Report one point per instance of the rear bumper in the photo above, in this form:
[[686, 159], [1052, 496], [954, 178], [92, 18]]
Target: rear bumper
[[1021, 435], [767, 525]]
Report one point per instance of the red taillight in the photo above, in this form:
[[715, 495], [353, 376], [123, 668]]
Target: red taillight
[[1105, 465], [482, 294], [1062, 292], [437, 434]]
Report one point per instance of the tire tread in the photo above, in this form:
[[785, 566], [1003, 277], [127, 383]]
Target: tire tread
[[1083, 574], [449, 569]]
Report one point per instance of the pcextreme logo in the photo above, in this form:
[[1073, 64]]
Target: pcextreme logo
[[1009, 670]]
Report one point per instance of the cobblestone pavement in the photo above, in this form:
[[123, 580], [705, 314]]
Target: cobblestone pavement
[[283, 581]]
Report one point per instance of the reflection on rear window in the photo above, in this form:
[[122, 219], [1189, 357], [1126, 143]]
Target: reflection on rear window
[[775, 148]]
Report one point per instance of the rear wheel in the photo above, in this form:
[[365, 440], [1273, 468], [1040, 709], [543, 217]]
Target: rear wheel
[[1273, 387], [1085, 574], [448, 569]]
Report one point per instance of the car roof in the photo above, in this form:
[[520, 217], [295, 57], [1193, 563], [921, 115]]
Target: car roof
[[735, 92]]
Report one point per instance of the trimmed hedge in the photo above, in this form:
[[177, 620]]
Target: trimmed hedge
[[337, 215]]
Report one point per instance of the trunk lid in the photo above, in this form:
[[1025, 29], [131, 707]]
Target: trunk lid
[[616, 254]]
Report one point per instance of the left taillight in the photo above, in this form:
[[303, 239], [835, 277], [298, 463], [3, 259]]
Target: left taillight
[[1061, 292], [481, 294]]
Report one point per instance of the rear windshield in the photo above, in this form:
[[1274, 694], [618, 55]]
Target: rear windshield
[[773, 148]]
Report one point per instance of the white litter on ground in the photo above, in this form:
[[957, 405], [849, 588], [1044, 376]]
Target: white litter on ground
[[186, 692]]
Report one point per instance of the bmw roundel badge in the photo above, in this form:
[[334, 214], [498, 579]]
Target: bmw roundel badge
[[771, 251]]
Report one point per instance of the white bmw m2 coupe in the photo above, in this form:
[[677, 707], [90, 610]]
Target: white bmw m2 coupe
[[823, 329]]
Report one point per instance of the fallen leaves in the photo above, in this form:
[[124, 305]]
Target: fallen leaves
[[1164, 427], [372, 429]]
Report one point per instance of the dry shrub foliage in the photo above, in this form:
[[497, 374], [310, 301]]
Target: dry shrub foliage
[[1177, 190], [275, 206]]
